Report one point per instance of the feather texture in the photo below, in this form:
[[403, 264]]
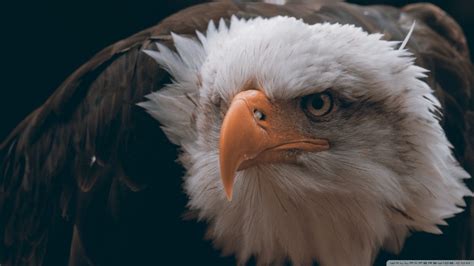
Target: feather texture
[[424, 183], [49, 186]]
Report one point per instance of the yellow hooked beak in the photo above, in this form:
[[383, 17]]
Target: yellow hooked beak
[[256, 131]]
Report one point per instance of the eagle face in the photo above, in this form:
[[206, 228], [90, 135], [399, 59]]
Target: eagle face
[[324, 138]]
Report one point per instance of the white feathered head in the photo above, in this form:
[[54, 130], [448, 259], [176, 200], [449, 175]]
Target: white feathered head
[[324, 137]]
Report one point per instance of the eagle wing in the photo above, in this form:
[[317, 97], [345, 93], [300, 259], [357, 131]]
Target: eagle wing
[[61, 164], [74, 168], [440, 46], [87, 176]]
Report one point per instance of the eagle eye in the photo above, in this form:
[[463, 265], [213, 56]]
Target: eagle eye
[[318, 104]]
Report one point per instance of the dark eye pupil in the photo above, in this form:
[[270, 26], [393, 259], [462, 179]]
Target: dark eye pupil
[[317, 102], [317, 105]]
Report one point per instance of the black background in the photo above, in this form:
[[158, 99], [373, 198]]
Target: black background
[[45, 41], [42, 42]]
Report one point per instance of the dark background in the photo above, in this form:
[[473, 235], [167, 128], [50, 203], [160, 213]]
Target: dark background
[[42, 42]]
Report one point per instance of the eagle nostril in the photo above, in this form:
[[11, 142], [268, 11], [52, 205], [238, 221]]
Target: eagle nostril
[[259, 115]]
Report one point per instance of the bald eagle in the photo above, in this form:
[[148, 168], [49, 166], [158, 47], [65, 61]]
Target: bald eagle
[[305, 132]]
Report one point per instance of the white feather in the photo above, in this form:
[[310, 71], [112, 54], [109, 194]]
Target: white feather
[[407, 38], [340, 212]]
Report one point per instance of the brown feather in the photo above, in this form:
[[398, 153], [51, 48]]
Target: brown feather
[[47, 181]]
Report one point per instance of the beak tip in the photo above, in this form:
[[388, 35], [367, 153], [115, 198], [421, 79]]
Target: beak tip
[[228, 193], [227, 178]]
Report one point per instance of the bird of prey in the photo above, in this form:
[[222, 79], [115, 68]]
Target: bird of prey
[[301, 132]]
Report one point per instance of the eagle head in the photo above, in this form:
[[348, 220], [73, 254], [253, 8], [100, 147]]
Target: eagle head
[[306, 142]]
